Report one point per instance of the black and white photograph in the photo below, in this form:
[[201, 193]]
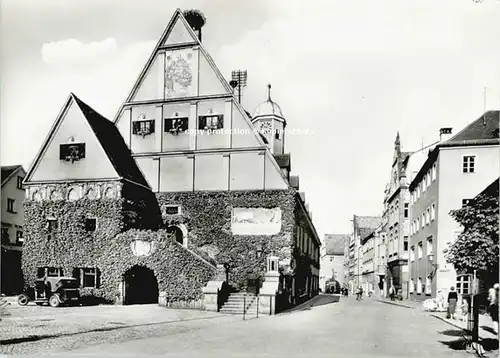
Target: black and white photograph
[[265, 178]]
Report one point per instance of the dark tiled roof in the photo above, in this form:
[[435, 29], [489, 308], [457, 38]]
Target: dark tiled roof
[[113, 144], [7, 171], [294, 181], [364, 233], [483, 131], [491, 190], [283, 160], [335, 244], [367, 222], [365, 225], [485, 127]]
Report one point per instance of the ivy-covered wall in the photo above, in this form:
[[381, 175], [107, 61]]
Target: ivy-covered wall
[[207, 216], [180, 273], [68, 245]]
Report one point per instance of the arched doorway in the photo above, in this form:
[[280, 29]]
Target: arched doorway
[[140, 285], [177, 232]]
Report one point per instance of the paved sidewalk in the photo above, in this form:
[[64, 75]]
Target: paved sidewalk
[[485, 324]]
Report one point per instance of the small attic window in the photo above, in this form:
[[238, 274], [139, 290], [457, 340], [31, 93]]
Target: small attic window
[[143, 127], [211, 122], [72, 152]]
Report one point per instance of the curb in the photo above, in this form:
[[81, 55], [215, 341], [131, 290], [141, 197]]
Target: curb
[[395, 304]]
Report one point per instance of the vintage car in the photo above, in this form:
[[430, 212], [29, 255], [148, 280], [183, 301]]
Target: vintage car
[[52, 290]]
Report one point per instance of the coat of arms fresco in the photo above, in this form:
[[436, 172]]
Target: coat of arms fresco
[[178, 74]]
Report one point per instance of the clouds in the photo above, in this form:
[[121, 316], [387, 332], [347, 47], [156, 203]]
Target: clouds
[[353, 71], [72, 51]]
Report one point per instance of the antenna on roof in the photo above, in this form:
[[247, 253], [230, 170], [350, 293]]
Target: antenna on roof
[[239, 80], [484, 107]]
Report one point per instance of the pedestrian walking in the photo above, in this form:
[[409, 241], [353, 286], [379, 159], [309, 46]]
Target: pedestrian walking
[[493, 307], [452, 303], [392, 292], [440, 301], [465, 310]]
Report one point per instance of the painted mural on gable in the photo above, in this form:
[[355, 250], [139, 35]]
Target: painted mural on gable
[[256, 221], [179, 74]]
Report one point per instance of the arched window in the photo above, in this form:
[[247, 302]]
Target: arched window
[[73, 194], [419, 285], [178, 234], [428, 285], [412, 285]]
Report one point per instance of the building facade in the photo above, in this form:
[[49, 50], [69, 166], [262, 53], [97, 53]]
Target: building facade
[[362, 226], [189, 180], [12, 228], [332, 259], [396, 217], [455, 171], [374, 263]]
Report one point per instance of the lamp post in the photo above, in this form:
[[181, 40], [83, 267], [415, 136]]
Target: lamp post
[[431, 260]]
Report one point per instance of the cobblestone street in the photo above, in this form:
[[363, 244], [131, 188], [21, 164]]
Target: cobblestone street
[[350, 328]]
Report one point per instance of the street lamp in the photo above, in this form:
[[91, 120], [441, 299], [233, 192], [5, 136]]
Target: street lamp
[[431, 260], [259, 251]]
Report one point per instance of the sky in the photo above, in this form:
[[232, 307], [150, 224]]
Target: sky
[[351, 72]]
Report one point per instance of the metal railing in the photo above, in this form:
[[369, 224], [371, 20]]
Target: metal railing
[[257, 298]]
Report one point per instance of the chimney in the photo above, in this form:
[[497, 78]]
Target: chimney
[[444, 134], [196, 20]]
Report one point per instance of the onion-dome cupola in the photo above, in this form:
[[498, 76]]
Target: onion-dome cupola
[[269, 120]]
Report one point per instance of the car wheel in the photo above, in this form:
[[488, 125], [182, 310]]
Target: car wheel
[[54, 301], [23, 299]]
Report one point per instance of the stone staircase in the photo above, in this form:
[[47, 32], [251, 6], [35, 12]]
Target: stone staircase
[[235, 302]]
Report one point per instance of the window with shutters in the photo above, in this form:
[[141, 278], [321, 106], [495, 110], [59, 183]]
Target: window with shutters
[[72, 152], [211, 122], [143, 128], [175, 125]]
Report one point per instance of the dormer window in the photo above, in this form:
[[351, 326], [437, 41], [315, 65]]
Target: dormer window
[[211, 122], [142, 126], [72, 152]]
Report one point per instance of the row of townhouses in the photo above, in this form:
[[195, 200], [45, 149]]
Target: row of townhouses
[[183, 195], [405, 247]]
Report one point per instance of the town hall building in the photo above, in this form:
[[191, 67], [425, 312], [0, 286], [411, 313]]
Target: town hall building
[[181, 183]]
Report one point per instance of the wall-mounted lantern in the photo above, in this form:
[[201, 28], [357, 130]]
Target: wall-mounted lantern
[[259, 251]]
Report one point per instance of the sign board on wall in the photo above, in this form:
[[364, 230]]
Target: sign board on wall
[[256, 221]]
